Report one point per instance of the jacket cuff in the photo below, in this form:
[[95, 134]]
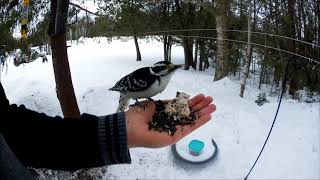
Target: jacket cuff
[[112, 137]]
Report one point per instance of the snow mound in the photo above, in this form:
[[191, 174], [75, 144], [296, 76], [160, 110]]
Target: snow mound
[[225, 82]]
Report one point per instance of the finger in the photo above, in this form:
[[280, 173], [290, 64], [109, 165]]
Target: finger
[[205, 102], [207, 110], [199, 122], [183, 131], [150, 105], [195, 100]]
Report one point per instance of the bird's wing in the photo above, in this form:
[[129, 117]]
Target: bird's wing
[[138, 80]]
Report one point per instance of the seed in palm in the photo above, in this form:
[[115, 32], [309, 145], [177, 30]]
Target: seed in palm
[[170, 114]]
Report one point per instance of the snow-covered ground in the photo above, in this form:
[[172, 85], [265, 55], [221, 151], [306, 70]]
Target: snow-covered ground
[[239, 126]]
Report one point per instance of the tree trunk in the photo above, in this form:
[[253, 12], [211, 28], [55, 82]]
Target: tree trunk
[[169, 48], [195, 61], [262, 71], [167, 44], [70, 34], [187, 47], [165, 48], [318, 17], [317, 12], [206, 59], [277, 74], [265, 52], [202, 55], [77, 35], [137, 48], [222, 8], [299, 22], [248, 54], [64, 86], [292, 47]]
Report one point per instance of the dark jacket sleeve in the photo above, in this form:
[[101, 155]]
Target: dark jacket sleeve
[[42, 141], [3, 99]]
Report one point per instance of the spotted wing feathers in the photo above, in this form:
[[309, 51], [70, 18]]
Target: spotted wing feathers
[[138, 80]]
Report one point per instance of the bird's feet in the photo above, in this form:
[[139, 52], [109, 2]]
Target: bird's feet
[[141, 104], [150, 99], [155, 102]]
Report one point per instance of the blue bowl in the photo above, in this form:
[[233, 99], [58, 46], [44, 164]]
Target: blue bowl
[[195, 147]]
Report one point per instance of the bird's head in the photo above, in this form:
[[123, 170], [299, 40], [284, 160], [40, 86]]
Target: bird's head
[[163, 68]]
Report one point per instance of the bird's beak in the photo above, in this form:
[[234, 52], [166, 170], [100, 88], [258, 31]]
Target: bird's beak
[[173, 67], [179, 66]]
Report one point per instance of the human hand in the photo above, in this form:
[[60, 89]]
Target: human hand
[[137, 122]]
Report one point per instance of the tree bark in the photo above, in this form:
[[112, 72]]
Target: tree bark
[[64, 86], [262, 71], [294, 86], [165, 48], [222, 8], [167, 44], [277, 74], [206, 60], [195, 61], [137, 48], [248, 54], [169, 48], [202, 55], [188, 48], [318, 17]]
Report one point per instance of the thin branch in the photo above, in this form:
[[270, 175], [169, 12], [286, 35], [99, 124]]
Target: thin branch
[[78, 6], [74, 22]]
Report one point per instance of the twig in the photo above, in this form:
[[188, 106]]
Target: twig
[[78, 6]]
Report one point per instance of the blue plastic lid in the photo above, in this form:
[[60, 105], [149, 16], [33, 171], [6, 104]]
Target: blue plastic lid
[[196, 146]]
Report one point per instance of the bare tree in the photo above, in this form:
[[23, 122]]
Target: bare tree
[[222, 8], [137, 48], [248, 53], [294, 84], [167, 45], [64, 86]]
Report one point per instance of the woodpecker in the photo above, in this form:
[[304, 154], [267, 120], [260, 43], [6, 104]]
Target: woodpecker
[[145, 82]]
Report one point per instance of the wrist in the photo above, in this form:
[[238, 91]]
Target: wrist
[[131, 139], [112, 138]]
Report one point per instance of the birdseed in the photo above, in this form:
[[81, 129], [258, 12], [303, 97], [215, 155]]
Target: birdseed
[[165, 120]]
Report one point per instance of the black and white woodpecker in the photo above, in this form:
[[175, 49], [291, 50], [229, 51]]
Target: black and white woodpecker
[[145, 82]]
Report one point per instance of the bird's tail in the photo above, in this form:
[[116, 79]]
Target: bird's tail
[[123, 103]]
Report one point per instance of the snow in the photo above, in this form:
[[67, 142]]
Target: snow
[[239, 126], [90, 5]]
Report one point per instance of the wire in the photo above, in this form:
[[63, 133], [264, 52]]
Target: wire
[[274, 120], [245, 42], [231, 30]]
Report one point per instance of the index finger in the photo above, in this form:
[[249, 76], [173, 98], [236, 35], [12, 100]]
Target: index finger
[[195, 100], [183, 131]]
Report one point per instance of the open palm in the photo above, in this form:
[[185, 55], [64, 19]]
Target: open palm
[[137, 120]]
